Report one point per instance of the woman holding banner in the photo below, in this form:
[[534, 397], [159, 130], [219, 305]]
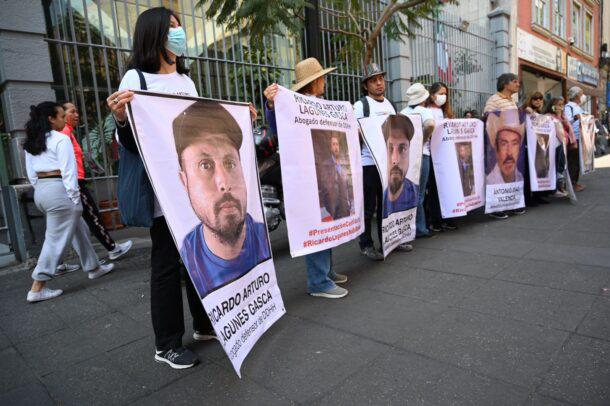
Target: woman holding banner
[[159, 43], [565, 135], [533, 105], [440, 105], [321, 279]]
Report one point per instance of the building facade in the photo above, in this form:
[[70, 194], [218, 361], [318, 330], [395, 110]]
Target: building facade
[[558, 46]]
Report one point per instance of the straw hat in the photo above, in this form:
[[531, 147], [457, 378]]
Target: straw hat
[[307, 71], [416, 94], [507, 120]]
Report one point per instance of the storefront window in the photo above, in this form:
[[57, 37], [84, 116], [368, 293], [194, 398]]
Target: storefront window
[[541, 12], [559, 18], [576, 26], [588, 33]]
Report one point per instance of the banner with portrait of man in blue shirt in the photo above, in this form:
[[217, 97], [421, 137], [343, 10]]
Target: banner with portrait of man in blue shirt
[[395, 142], [199, 155]]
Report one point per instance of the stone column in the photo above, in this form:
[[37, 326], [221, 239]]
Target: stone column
[[399, 72], [499, 23], [25, 71]]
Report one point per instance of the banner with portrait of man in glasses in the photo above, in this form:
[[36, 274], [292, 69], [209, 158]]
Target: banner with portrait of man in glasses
[[541, 145], [199, 155]]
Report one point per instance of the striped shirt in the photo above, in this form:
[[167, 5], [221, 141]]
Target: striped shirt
[[499, 102]]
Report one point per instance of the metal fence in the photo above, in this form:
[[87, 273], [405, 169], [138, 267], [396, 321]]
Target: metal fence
[[90, 44], [448, 49]]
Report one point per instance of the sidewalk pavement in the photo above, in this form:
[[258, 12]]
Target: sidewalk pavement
[[502, 312]]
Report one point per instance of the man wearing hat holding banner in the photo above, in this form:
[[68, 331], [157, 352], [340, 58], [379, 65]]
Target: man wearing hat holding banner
[[310, 81], [373, 103]]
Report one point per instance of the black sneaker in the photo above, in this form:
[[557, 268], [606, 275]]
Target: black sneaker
[[204, 335], [448, 227], [180, 358], [518, 211], [499, 215], [371, 253]]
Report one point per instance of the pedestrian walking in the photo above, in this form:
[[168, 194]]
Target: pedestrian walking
[[417, 95], [91, 212], [159, 42], [322, 280], [373, 103], [51, 169], [440, 106]]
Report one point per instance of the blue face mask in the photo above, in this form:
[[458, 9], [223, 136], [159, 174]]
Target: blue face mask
[[176, 41]]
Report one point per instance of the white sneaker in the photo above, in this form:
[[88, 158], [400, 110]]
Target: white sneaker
[[65, 269], [101, 271], [119, 250], [43, 294]]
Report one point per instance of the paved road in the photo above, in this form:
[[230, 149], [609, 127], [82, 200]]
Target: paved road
[[513, 312]]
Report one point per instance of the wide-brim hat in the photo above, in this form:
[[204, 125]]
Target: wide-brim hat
[[371, 70], [417, 94], [506, 120], [307, 71]]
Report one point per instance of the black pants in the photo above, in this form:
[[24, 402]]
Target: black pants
[[573, 164], [373, 203], [432, 203], [166, 291], [92, 217]]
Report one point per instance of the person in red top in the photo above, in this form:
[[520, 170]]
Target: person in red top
[[91, 213]]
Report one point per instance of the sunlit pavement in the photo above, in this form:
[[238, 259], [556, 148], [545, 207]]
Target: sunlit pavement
[[502, 312]]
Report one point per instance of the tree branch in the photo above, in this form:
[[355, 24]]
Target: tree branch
[[345, 32], [388, 12], [352, 17]]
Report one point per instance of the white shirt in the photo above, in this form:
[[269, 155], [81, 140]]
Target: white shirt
[[495, 176], [58, 156], [376, 108], [572, 109], [172, 83], [426, 114]]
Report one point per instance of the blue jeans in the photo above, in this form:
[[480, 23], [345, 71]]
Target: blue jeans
[[420, 218], [319, 271]]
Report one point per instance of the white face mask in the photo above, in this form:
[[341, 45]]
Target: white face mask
[[583, 99], [440, 99]]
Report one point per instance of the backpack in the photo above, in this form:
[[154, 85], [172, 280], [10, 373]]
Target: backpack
[[134, 191], [366, 108]]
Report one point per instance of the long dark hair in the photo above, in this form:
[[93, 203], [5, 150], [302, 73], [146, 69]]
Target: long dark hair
[[38, 126], [149, 38], [531, 98], [548, 109], [435, 88]]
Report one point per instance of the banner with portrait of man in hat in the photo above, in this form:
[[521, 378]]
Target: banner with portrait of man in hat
[[200, 158], [321, 171], [505, 160], [395, 142], [541, 144]]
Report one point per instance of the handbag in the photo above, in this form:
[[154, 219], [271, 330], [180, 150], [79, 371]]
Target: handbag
[[135, 193]]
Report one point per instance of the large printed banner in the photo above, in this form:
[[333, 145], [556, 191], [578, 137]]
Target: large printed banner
[[541, 145], [587, 144], [505, 160], [321, 171], [395, 141], [457, 149], [199, 155]]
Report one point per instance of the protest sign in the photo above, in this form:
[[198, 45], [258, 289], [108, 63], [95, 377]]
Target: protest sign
[[505, 161], [321, 171], [457, 150], [541, 144], [587, 144], [395, 142], [200, 158]]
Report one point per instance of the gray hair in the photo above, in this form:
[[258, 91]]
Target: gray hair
[[573, 92]]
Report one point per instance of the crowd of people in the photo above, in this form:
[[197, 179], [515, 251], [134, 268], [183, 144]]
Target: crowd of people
[[54, 162]]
